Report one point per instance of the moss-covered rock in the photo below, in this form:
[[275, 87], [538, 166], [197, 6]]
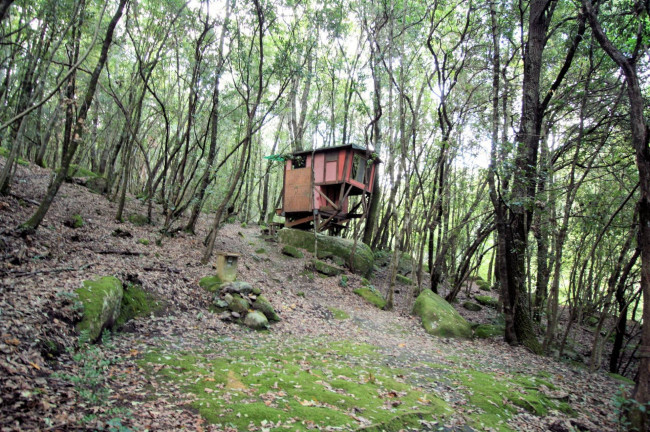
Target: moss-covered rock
[[262, 304], [324, 268], [485, 331], [471, 306], [482, 285], [487, 301], [237, 304], [97, 185], [292, 251], [439, 318], [136, 302], [363, 258], [75, 221], [403, 280], [256, 320], [371, 295], [138, 219], [239, 287], [101, 299], [210, 283]]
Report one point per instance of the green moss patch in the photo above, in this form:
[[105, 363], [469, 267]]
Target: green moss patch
[[298, 385], [75, 221], [136, 302], [500, 396], [292, 251], [482, 285], [260, 251], [487, 301], [371, 295], [621, 378], [362, 259], [439, 318], [4, 152], [471, 306], [338, 313], [77, 171], [101, 299], [403, 280], [138, 219], [485, 331], [210, 283], [143, 241], [324, 268]]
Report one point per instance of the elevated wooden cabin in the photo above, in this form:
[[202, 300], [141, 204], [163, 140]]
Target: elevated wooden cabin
[[318, 184]]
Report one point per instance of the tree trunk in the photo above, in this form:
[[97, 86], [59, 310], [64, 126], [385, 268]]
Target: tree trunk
[[640, 138], [35, 220]]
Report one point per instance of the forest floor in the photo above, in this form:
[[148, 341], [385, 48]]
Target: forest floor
[[333, 362]]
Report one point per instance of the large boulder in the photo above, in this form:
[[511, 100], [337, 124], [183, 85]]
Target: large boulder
[[439, 318], [101, 299], [362, 261]]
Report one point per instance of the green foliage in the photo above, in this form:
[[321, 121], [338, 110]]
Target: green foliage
[[78, 171], [143, 241], [4, 152], [343, 282]]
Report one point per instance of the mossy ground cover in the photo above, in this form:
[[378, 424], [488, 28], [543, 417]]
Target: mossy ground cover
[[370, 294], [497, 397], [296, 385]]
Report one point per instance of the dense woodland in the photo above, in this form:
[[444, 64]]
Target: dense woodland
[[513, 134]]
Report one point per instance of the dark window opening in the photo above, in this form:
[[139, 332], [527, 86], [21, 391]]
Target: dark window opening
[[360, 169], [298, 162]]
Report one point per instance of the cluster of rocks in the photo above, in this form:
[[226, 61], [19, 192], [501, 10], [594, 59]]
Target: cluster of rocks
[[241, 302]]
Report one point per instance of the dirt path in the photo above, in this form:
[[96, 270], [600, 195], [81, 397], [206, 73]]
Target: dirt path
[[47, 383]]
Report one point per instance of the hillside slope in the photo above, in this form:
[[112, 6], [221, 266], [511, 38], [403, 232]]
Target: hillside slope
[[332, 361]]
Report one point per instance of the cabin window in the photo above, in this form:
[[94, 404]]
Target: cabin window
[[360, 169], [298, 162], [331, 157]]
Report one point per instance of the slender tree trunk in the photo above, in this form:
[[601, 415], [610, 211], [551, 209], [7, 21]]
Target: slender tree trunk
[[640, 141], [35, 220]]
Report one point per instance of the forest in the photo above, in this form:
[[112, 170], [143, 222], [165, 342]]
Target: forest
[[513, 135]]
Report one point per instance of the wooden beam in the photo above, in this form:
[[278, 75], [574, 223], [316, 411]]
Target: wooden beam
[[299, 221], [328, 200]]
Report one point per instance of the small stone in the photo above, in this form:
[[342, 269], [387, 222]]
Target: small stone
[[256, 320], [220, 303], [235, 314]]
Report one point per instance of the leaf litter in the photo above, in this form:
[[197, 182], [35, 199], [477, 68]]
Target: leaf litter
[[49, 382]]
